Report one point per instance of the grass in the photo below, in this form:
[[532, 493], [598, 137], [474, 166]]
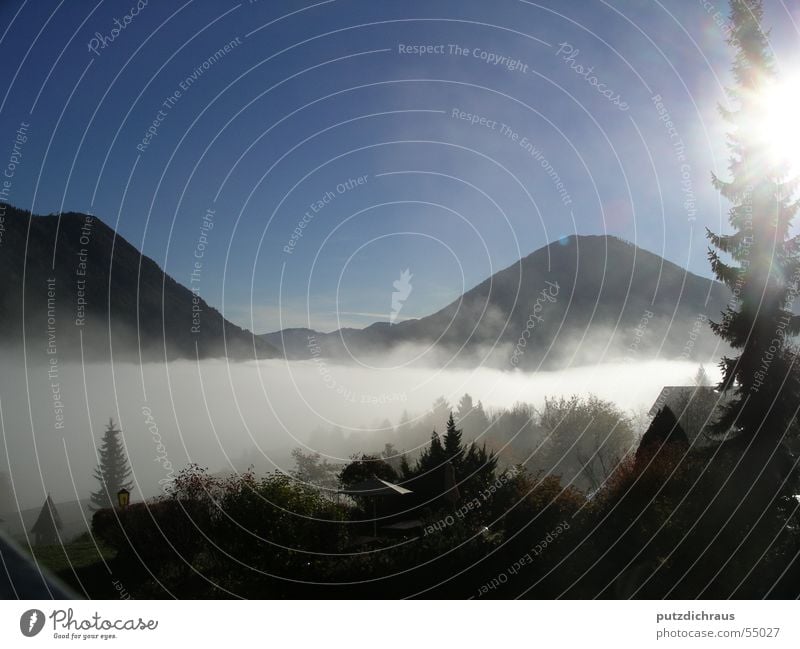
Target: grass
[[82, 565]]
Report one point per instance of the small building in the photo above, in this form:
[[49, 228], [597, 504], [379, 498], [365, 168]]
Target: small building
[[693, 406], [370, 491], [48, 525]]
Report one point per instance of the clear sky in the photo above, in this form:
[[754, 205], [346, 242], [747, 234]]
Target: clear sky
[[449, 138]]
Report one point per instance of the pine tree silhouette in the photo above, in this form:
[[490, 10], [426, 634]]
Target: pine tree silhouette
[[452, 442], [431, 458], [765, 258], [113, 472]]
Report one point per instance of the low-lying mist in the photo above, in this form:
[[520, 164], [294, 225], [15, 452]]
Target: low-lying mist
[[222, 415]]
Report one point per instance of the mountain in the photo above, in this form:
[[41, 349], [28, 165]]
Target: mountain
[[98, 284], [582, 299]]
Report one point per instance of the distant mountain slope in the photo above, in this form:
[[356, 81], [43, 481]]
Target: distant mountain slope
[[103, 286], [604, 299]]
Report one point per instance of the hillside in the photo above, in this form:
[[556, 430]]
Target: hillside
[[582, 299], [99, 284]]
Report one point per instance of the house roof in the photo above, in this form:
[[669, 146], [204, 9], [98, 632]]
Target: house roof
[[48, 518], [375, 487], [670, 395], [694, 407]]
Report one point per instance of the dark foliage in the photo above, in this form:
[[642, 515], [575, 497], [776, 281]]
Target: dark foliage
[[763, 274]]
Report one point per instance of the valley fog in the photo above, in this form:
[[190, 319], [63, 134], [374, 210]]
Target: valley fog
[[225, 416]]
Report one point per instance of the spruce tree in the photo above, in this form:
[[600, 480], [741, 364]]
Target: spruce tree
[[113, 471], [432, 457], [763, 272], [452, 442], [471, 417]]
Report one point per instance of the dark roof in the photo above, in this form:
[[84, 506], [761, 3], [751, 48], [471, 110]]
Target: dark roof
[[695, 407], [375, 487], [48, 518], [671, 395]]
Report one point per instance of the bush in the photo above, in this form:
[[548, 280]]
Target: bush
[[237, 531]]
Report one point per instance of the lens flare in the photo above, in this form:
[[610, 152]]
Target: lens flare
[[778, 124]]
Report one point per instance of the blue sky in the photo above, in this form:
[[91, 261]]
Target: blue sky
[[310, 97]]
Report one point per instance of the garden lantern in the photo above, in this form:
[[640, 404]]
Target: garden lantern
[[123, 498]]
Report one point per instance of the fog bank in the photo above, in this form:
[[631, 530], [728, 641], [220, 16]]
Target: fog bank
[[217, 414]]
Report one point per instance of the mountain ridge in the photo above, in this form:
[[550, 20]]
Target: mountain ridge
[[73, 277], [588, 271]]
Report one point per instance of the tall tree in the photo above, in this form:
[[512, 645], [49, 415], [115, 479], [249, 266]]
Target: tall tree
[[431, 458], [471, 417], [700, 379], [313, 469], [452, 442], [763, 272], [113, 471], [439, 412]]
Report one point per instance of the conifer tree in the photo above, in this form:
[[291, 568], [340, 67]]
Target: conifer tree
[[471, 417], [763, 272], [452, 442], [113, 471], [405, 468], [432, 457]]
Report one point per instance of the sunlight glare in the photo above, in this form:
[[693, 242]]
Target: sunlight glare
[[780, 126]]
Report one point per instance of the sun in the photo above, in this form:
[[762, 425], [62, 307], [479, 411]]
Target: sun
[[779, 122]]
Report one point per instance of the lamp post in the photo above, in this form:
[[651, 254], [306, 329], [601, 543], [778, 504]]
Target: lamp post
[[123, 498]]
